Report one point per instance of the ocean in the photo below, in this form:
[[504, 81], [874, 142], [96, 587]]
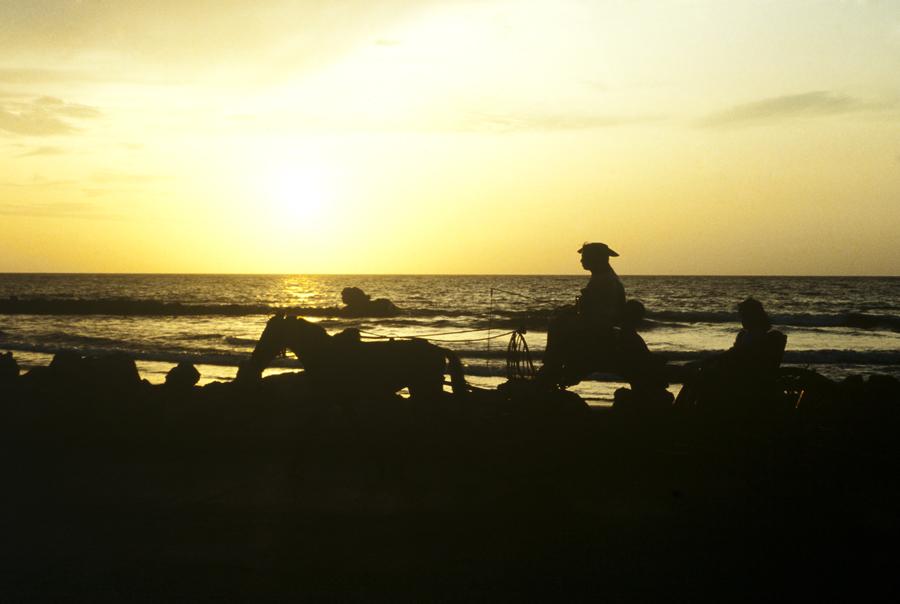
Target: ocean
[[837, 326]]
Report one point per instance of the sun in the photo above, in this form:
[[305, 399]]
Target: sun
[[297, 192]]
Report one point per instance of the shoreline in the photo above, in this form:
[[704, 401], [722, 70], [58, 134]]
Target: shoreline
[[596, 389]]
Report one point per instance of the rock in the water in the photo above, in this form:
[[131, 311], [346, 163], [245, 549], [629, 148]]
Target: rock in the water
[[182, 376]]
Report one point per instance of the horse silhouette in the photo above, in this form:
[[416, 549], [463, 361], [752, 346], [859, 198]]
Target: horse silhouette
[[343, 364]]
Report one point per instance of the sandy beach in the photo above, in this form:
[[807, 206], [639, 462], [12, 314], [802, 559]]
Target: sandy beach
[[123, 491]]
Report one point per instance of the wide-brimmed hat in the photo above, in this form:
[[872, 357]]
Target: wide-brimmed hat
[[597, 249]]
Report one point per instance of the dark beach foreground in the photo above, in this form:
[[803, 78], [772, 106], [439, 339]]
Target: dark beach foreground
[[122, 491]]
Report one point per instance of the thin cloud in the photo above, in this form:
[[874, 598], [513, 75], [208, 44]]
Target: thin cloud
[[60, 209], [456, 122], [597, 85], [33, 123], [40, 181], [237, 33], [45, 76], [818, 103], [45, 150], [110, 177], [96, 192], [61, 107], [23, 79], [511, 122], [44, 116]]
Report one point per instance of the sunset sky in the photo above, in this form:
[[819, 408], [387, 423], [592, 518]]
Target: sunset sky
[[694, 137]]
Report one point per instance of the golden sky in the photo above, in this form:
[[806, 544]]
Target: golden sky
[[693, 136]]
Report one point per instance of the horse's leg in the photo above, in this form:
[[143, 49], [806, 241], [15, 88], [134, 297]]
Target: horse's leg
[[455, 369], [429, 383]]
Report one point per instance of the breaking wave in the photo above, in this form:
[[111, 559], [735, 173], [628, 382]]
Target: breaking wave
[[129, 307], [437, 318], [850, 319]]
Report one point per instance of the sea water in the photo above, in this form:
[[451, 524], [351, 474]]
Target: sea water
[[835, 325]]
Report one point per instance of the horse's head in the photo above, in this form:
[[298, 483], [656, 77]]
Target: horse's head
[[303, 338], [269, 345]]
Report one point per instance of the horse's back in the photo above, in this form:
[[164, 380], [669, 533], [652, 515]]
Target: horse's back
[[411, 353]]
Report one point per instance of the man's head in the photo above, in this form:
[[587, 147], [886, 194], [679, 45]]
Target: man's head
[[595, 255]]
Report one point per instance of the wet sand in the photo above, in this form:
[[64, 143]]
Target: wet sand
[[271, 492]]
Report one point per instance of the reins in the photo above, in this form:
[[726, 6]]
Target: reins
[[519, 362]]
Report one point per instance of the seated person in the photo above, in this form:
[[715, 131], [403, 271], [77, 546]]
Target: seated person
[[642, 369], [757, 346], [580, 338], [745, 371], [359, 304]]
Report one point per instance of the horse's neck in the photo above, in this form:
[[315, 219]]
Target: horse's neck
[[310, 346]]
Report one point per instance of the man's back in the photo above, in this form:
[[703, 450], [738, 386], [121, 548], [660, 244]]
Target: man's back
[[602, 301]]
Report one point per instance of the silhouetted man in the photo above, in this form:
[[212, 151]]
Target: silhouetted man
[[580, 337]]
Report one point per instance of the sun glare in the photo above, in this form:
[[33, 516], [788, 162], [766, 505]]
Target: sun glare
[[296, 193]]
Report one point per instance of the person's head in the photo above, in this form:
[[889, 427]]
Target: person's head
[[595, 256], [353, 296], [633, 313], [753, 315]]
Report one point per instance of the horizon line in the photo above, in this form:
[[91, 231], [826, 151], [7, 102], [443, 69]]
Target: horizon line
[[580, 274]]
